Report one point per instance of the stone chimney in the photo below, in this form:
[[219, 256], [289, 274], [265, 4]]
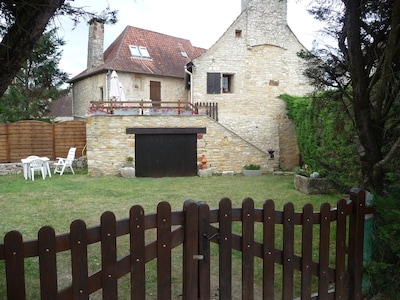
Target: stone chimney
[[95, 43], [244, 4]]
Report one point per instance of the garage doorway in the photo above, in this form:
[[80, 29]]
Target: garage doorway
[[166, 152]]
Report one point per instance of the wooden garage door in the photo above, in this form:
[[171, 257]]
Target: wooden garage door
[[166, 155]]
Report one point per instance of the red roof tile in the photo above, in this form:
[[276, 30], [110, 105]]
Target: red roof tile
[[165, 51]]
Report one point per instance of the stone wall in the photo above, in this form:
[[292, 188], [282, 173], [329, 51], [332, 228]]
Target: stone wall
[[108, 145], [259, 52], [16, 168]]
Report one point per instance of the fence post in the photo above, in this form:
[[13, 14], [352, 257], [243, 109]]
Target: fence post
[[356, 243], [367, 257], [190, 251]]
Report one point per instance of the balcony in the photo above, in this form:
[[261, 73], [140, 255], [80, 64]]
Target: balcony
[[148, 107]]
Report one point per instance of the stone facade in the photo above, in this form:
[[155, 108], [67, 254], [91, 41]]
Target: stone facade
[[136, 87], [259, 55], [108, 145]]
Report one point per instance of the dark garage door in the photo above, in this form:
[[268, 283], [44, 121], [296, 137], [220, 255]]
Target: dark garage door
[[165, 155]]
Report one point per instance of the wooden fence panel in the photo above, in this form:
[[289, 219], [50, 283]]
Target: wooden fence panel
[[108, 230], [269, 250], [48, 263], [164, 251], [25, 138], [248, 249], [190, 252], [288, 251], [324, 241], [306, 251], [69, 134], [79, 260], [225, 249], [14, 255], [4, 145], [194, 229], [138, 256], [204, 250]]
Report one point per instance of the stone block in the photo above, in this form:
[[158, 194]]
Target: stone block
[[309, 185], [228, 173], [205, 173], [128, 172]]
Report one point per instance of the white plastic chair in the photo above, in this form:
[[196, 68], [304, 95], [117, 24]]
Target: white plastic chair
[[62, 163], [37, 165]]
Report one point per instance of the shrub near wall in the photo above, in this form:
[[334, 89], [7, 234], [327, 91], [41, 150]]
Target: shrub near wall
[[326, 139]]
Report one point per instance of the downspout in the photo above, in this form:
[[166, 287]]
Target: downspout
[[191, 84], [106, 89]]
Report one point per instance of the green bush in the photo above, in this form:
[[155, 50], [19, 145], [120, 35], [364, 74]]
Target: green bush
[[326, 138], [251, 167], [384, 270]]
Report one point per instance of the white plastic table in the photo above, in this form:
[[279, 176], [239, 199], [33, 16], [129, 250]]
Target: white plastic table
[[25, 164]]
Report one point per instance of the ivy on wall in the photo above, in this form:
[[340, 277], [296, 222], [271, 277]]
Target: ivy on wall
[[326, 139]]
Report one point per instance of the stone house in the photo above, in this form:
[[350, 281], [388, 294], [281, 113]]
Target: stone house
[[244, 72], [150, 65]]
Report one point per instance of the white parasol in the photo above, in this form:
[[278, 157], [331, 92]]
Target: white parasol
[[116, 92]]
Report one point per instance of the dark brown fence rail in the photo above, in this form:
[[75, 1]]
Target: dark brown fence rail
[[154, 236], [21, 139]]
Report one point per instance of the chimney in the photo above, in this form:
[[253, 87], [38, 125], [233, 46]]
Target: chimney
[[244, 4], [95, 43]]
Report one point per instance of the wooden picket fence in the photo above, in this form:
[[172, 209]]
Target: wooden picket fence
[[194, 228], [24, 138]]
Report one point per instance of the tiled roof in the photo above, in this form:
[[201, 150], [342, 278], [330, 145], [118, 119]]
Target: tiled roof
[[61, 107], [165, 51]]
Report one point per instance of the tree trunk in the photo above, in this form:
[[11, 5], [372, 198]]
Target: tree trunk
[[31, 20], [368, 130]]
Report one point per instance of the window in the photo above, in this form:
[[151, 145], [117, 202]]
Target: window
[[226, 83], [238, 33], [139, 51], [218, 83]]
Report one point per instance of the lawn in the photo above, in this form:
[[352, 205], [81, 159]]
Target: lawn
[[27, 205]]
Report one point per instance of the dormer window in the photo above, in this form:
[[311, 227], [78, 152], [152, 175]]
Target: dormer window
[[184, 54], [139, 51]]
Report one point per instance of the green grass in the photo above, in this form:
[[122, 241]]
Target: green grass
[[27, 206]]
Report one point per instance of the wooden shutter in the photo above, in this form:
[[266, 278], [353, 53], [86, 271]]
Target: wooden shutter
[[213, 83]]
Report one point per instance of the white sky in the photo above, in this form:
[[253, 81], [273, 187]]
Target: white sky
[[201, 22]]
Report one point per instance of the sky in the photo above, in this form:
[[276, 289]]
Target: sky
[[202, 22]]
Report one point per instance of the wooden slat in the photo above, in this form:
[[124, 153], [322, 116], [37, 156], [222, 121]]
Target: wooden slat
[[340, 250], [163, 251], [225, 249], [204, 249], [248, 249], [306, 249], [47, 263], [324, 239], [269, 250], [109, 256], [288, 251], [14, 255], [190, 251], [79, 260], [356, 241], [137, 244]]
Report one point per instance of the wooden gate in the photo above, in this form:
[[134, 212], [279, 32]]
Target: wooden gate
[[327, 265]]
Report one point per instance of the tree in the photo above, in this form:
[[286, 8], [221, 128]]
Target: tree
[[22, 23], [363, 72], [37, 83]]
